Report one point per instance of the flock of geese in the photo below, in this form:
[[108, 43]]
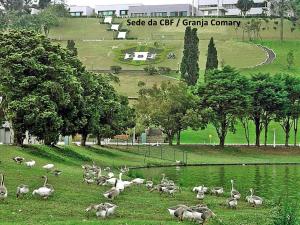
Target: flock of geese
[[94, 174], [45, 191], [199, 213]]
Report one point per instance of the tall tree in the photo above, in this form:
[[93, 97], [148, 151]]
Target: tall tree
[[281, 8], [268, 98], [41, 88], [212, 56], [289, 114], [226, 95], [166, 107], [116, 117], [71, 47], [244, 6], [189, 67]]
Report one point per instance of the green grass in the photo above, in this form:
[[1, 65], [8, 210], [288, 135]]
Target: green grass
[[128, 85], [136, 205], [280, 63], [91, 29], [212, 154]]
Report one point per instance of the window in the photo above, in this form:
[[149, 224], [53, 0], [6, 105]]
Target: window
[[183, 13], [230, 6], [123, 12], [76, 13], [259, 5], [159, 14], [106, 13], [173, 13], [139, 14]]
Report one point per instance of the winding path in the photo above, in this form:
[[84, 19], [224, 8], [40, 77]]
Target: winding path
[[271, 56]]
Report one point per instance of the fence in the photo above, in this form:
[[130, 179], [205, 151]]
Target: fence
[[162, 152]]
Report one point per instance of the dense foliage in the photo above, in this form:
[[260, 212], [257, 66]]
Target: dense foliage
[[189, 67], [47, 91], [212, 56]]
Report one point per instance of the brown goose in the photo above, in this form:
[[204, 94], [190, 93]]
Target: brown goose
[[113, 192]]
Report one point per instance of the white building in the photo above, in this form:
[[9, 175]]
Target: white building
[[228, 8], [120, 10], [81, 10]]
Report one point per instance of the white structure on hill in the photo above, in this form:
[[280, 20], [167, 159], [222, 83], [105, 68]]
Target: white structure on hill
[[228, 8], [120, 10], [80, 10]]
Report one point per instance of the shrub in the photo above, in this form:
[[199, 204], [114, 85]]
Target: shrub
[[286, 214], [150, 70], [164, 70], [116, 69], [141, 83]]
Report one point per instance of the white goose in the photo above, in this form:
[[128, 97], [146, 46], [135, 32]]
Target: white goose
[[232, 202], [217, 190], [254, 200], [120, 184], [3, 189], [45, 191], [200, 194], [234, 193], [48, 167], [22, 190], [138, 181], [30, 163]]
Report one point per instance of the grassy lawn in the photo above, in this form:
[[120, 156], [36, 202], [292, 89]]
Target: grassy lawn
[[136, 204], [202, 136], [91, 29], [128, 85], [279, 65]]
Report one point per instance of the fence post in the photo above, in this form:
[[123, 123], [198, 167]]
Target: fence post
[[186, 157], [161, 154], [174, 154], [183, 153], [149, 154]]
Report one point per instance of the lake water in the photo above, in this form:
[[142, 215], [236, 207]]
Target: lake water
[[268, 181]]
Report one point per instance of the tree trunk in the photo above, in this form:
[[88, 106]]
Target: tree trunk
[[281, 27], [245, 123], [295, 131], [257, 131], [170, 139], [18, 138], [98, 139], [83, 139], [178, 137], [222, 141], [222, 133], [287, 130]]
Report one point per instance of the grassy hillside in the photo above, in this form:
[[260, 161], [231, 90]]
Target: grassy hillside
[[72, 196], [91, 29]]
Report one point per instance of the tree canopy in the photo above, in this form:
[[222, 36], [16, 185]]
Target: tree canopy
[[189, 67]]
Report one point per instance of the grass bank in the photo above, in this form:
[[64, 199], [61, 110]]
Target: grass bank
[[136, 205]]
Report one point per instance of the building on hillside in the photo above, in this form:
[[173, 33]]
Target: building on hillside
[[6, 136], [119, 10], [228, 8], [80, 11], [163, 10]]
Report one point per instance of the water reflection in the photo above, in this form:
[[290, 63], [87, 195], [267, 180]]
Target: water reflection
[[268, 181]]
